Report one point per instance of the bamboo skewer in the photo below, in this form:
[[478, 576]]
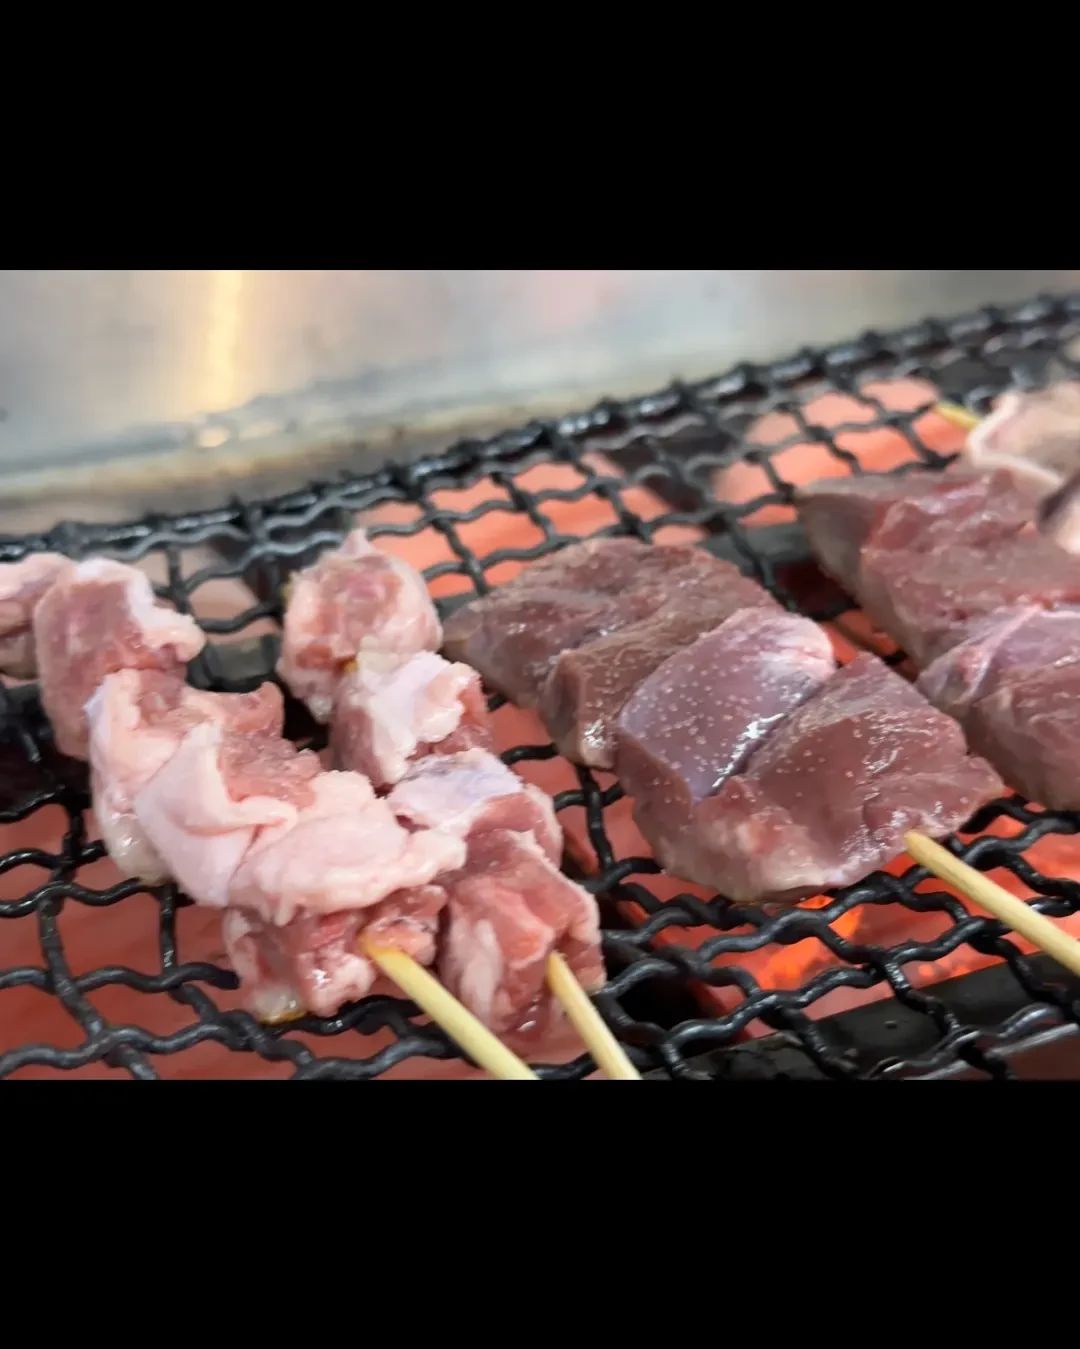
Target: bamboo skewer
[[981, 890], [587, 1021], [959, 416], [464, 1029]]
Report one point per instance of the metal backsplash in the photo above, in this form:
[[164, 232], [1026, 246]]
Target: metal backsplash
[[129, 383]]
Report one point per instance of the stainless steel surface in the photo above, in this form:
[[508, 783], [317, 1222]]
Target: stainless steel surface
[[169, 377]]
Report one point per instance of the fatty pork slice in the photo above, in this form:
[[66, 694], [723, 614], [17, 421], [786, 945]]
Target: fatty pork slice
[[699, 716], [384, 719], [97, 618], [353, 604], [204, 807], [588, 687], [137, 719], [312, 964], [22, 585], [471, 793], [509, 909], [829, 795], [579, 594], [1014, 685], [341, 849]]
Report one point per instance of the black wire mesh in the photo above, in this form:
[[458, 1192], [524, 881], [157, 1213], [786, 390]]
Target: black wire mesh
[[671, 461]]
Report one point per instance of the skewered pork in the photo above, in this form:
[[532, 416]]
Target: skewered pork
[[386, 717], [137, 719], [312, 964], [202, 810], [509, 907], [470, 793], [22, 585], [494, 906], [97, 618], [352, 604], [508, 910], [342, 848]]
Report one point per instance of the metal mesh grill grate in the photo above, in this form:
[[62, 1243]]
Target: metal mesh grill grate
[[699, 459]]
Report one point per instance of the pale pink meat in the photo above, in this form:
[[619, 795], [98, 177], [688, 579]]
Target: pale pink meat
[[509, 909], [202, 809], [304, 896], [342, 850], [312, 964], [386, 718], [354, 604], [136, 720], [22, 585], [97, 618], [470, 793]]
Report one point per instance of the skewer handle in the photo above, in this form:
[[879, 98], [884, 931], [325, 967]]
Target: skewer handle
[[459, 1023], [587, 1021], [1017, 915]]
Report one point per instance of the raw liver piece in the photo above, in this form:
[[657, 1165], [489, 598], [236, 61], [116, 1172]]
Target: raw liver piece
[[1015, 687], [830, 794], [698, 717], [582, 594]]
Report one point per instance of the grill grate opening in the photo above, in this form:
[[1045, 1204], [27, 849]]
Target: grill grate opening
[[111, 978]]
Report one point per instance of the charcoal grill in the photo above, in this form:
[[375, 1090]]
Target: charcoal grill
[[1019, 1016]]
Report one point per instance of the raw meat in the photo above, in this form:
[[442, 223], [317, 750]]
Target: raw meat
[[698, 717], [582, 593], [312, 964], [97, 618], [842, 515], [22, 585], [384, 719], [935, 564], [1059, 515], [830, 794], [1015, 687], [202, 809], [508, 910], [341, 849], [470, 793], [136, 720], [306, 893], [353, 604], [587, 687]]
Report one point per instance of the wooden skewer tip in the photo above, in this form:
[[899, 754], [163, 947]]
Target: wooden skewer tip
[[466, 1030], [959, 416], [609, 1055], [995, 899]]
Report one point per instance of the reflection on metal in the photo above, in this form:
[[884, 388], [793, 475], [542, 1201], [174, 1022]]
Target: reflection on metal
[[106, 376], [223, 341]]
